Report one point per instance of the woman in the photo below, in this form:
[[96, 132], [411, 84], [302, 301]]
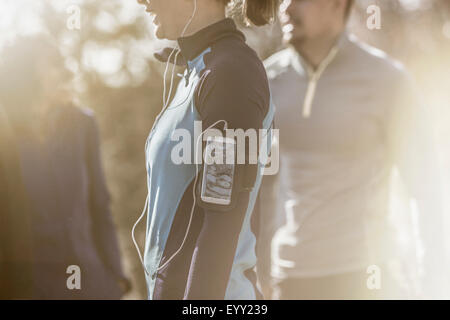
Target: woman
[[58, 153], [196, 251]]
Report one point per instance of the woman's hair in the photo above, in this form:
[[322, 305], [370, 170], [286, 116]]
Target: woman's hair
[[21, 75], [257, 12]]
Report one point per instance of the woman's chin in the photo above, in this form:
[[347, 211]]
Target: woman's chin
[[158, 33], [161, 34]]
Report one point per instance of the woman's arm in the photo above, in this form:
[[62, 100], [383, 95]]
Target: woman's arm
[[241, 99], [215, 251]]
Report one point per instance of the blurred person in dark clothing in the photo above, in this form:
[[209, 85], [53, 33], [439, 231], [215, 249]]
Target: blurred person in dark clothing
[[58, 157], [15, 242], [348, 115]]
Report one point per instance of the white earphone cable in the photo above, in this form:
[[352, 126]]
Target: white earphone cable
[[165, 75], [134, 238]]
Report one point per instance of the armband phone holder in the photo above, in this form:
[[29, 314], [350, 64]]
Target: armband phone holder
[[221, 178]]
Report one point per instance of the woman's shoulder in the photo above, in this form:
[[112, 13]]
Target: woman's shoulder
[[233, 56], [234, 86]]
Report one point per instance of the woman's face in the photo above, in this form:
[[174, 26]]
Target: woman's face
[[169, 16]]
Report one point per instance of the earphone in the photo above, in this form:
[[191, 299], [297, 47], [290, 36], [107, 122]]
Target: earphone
[[165, 105]]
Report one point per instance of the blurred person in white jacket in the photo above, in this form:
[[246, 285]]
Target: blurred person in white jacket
[[347, 115]]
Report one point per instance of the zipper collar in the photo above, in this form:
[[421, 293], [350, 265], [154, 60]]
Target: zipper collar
[[302, 67]]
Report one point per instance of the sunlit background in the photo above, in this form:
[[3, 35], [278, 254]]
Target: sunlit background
[[117, 76]]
